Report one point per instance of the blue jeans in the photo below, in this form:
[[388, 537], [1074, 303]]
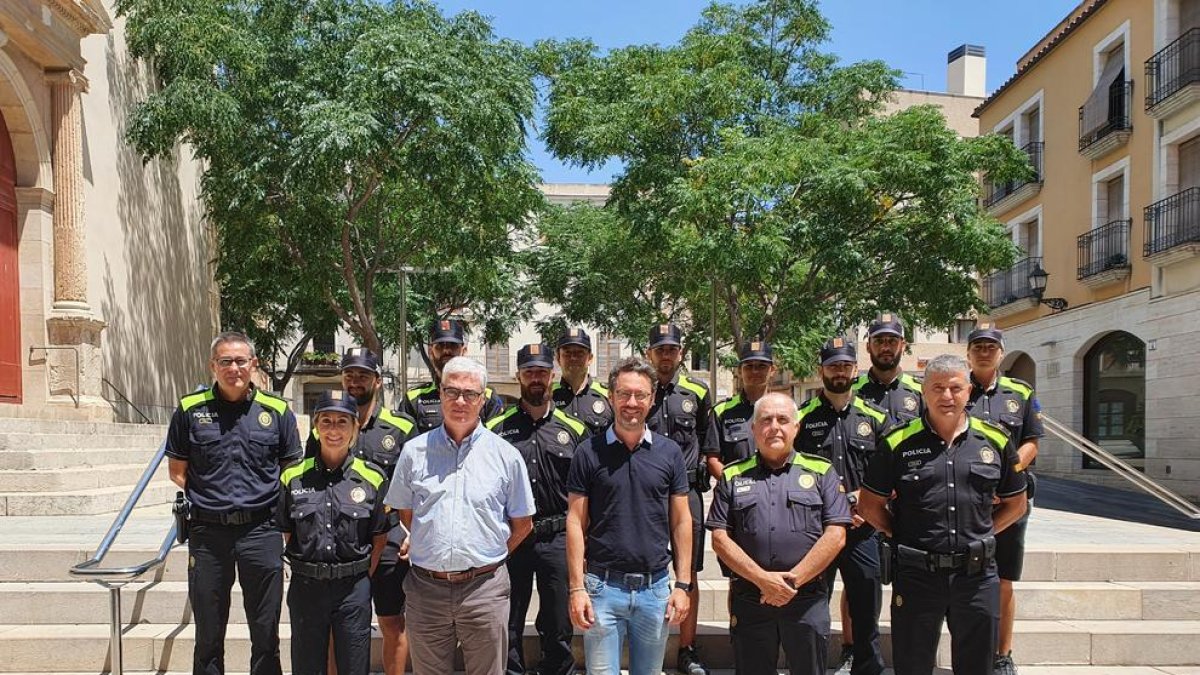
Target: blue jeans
[[622, 611]]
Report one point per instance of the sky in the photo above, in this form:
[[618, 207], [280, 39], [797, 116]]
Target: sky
[[913, 36]]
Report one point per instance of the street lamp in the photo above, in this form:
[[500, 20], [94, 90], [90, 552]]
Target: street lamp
[[1037, 282]]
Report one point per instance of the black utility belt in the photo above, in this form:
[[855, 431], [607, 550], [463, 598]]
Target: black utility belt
[[975, 559], [230, 517], [550, 525], [314, 570]]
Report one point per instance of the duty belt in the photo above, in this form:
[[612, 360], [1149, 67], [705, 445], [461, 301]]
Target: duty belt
[[975, 558], [231, 517], [329, 570], [550, 525]]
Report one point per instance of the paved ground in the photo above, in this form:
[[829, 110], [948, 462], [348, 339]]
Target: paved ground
[[1062, 494]]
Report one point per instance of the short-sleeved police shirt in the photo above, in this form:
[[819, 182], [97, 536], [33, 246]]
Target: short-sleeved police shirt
[[944, 493], [424, 404], [591, 405], [682, 412], [1011, 403], [734, 418], [629, 495], [380, 440], [234, 449], [845, 437], [777, 515], [334, 513], [901, 398], [547, 444]]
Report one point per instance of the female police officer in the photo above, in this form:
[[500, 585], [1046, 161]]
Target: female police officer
[[332, 515]]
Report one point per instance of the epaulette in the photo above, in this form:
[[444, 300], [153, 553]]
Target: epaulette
[[1020, 386], [697, 387], [726, 404], [808, 406], [397, 419], [371, 472], [860, 382], [741, 466], [995, 433], [575, 424], [871, 411], [599, 388], [505, 414], [814, 463], [911, 381], [270, 401], [898, 434], [296, 470], [197, 398], [415, 392]]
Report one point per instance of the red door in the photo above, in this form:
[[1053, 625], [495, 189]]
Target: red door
[[10, 286]]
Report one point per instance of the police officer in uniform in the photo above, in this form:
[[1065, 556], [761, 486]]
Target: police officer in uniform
[[1013, 404], [840, 426], [424, 403], [546, 437], [335, 525], [577, 394], [886, 384], [382, 434], [682, 411], [733, 416], [226, 445], [778, 519], [942, 472]]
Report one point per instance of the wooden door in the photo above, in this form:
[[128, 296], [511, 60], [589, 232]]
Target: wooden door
[[10, 285]]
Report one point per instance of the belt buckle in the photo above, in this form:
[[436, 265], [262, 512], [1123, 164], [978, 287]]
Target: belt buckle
[[453, 577], [634, 580], [945, 561]]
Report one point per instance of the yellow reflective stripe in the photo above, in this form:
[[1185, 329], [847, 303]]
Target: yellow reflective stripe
[[859, 383], [911, 381], [992, 432], [814, 463], [417, 391], [192, 400], [599, 388], [871, 412], [1021, 389], [726, 405], [899, 434], [296, 470], [694, 387], [268, 401], [738, 468], [495, 421], [373, 477], [577, 426], [809, 406], [400, 423]]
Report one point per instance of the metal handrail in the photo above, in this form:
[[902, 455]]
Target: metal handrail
[[114, 578], [123, 397], [1121, 468]]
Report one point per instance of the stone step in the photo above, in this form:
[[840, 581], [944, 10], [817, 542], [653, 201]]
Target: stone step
[[1025, 670], [59, 458], [74, 479], [15, 440], [37, 425], [81, 502], [81, 602], [168, 647]]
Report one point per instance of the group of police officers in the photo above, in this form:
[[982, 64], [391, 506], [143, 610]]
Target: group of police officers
[[880, 477]]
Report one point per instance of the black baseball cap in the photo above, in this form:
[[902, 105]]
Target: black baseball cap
[[446, 330], [755, 350], [336, 401], [986, 331], [534, 356], [361, 357], [838, 350], [887, 323], [575, 336], [665, 334]]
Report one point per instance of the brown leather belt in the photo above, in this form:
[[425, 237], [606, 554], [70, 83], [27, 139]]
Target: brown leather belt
[[459, 577]]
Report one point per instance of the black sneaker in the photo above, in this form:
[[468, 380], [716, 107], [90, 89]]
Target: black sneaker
[[846, 661], [688, 662], [1003, 665]]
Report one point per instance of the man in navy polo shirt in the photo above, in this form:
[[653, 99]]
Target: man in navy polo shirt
[[628, 500]]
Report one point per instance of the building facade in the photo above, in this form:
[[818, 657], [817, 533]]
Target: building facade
[[1100, 312]]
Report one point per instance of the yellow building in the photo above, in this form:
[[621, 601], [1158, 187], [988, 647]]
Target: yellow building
[[1102, 310]]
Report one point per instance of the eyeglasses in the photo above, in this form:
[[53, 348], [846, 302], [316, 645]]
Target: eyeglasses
[[228, 363], [639, 396], [454, 393]]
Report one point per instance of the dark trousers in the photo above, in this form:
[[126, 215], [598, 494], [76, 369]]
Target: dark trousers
[[758, 630], [970, 603], [543, 558], [252, 554], [319, 606], [859, 564]]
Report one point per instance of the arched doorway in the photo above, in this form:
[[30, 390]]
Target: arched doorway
[[1021, 366], [1114, 396], [10, 283]]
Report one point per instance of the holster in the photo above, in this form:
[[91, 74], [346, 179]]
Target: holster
[[887, 561], [1030, 485], [980, 554], [550, 525], [698, 479], [182, 510]]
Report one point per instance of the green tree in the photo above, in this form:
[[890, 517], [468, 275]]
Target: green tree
[[342, 140], [756, 164]]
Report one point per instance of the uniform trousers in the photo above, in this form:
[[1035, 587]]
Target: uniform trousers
[[440, 614], [542, 558], [858, 562], [251, 553], [316, 607], [758, 630], [970, 603]]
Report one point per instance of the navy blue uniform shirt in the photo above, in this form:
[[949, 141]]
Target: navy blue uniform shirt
[[1010, 402], [845, 437], [901, 398], [333, 513], [547, 445], [629, 495], [234, 450], [733, 418], [682, 412], [590, 405]]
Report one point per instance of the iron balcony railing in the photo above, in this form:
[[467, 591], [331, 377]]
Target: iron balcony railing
[[1119, 96], [1008, 286], [1104, 248], [1174, 67], [998, 191], [1173, 222]]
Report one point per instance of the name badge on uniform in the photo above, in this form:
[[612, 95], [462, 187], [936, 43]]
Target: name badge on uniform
[[264, 419], [358, 495]]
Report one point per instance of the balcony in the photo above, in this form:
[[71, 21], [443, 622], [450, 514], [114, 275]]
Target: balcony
[[1002, 196], [1173, 227], [1010, 291], [1104, 254], [1173, 76], [1112, 132]]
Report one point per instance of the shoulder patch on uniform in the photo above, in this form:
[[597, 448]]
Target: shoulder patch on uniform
[[398, 420], [740, 467], [192, 400], [808, 406], [599, 388], [296, 470], [697, 387], [1020, 386], [898, 434], [870, 410], [726, 405], [268, 401], [814, 463], [577, 426], [993, 432], [369, 471], [416, 392], [495, 421]]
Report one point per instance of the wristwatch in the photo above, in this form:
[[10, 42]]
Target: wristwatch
[[685, 587]]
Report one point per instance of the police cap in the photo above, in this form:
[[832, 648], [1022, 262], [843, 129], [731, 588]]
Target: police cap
[[575, 336], [838, 350], [665, 334], [887, 323], [446, 330], [336, 401], [986, 331], [755, 350], [534, 356], [361, 357]]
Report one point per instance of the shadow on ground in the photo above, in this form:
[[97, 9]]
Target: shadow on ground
[[1061, 494]]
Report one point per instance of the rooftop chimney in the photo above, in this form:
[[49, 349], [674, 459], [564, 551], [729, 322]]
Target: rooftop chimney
[[966, 71]]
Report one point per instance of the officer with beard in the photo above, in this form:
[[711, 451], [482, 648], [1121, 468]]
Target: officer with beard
[[843, 428], [546, 437], [424, 403], [885, 384], [577, 393], [381, 436]]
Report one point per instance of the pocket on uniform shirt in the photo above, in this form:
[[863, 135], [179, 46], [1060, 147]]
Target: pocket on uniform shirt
[[745, 513], [805, 509], [984, 479], [353, 522]]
